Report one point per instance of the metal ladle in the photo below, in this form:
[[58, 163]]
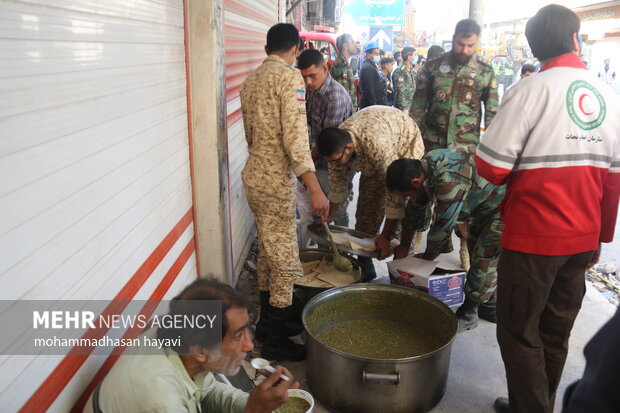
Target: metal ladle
[[340, 263]]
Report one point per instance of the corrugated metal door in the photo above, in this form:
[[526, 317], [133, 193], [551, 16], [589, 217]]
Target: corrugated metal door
[[95, 193], [246, 23]]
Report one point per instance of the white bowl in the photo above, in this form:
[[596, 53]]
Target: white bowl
[[302, 394]]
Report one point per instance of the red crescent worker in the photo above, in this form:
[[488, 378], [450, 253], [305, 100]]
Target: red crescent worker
[[562, 176]]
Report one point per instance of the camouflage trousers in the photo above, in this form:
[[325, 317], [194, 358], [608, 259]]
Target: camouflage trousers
[[484, 245], [370, 209], [278, 255], [433, 140]]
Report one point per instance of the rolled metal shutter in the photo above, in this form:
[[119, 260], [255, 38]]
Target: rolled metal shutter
[[95, 195], [246, 23]]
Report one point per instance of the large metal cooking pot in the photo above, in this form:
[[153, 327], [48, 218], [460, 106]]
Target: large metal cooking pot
[[353, 384]]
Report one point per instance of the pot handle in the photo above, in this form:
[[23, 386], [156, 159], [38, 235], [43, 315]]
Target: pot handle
[[393, 378]]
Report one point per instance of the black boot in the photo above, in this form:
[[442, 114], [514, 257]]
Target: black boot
[[368, 269], [263, 321], [293, 326], [277, 345], [502, 405], [486, 311], [467, 315]]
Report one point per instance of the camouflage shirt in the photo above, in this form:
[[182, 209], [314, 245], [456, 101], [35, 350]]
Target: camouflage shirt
[[447, 101], [273, 101], [380, 135], [403, 80], [452, 184], [343, 74]]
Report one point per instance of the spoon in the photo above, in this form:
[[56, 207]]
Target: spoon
[[340, 263], [262, 364]]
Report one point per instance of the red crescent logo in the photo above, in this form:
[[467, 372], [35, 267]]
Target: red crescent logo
[[581, 98]]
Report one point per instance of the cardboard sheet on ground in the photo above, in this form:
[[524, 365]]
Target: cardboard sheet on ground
[[310, 266], [325, 266], [322, 274]]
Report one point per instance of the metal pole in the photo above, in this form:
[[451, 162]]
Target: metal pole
[[475, 10], [293, 7]]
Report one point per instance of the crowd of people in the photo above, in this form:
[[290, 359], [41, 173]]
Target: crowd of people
[[414, 135], [531, 200]]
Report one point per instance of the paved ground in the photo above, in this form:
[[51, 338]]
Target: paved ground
[[477, 374]]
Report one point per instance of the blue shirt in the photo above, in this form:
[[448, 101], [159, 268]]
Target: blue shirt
[[329, 106]]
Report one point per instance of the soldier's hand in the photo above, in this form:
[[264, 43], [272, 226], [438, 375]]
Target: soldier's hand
[[326, 219], [315, 153], [271, 393], [329, 217], [430, 256], [401, 251], [406, 112], [320, 203], [462, 230], [383, 246]]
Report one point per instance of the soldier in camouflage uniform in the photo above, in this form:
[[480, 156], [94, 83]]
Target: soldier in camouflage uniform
[[274, 117], [368, 142], [447, 179], [403, 79], [341, 71], [450, 90]]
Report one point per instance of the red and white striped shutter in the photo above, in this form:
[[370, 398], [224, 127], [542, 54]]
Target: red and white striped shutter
[[95, 194], [246, 23]]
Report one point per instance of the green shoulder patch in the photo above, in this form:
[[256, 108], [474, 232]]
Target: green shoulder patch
[[484, 62]]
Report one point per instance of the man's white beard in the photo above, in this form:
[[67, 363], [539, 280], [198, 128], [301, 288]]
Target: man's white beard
[[232, 367], [227, 365]]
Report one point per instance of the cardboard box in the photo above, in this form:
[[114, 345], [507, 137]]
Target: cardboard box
[[441, 280]]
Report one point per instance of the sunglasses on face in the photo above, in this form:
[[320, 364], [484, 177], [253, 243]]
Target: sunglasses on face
[[337, 160]]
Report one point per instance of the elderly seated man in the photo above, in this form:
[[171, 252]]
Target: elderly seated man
[[180, 378]]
